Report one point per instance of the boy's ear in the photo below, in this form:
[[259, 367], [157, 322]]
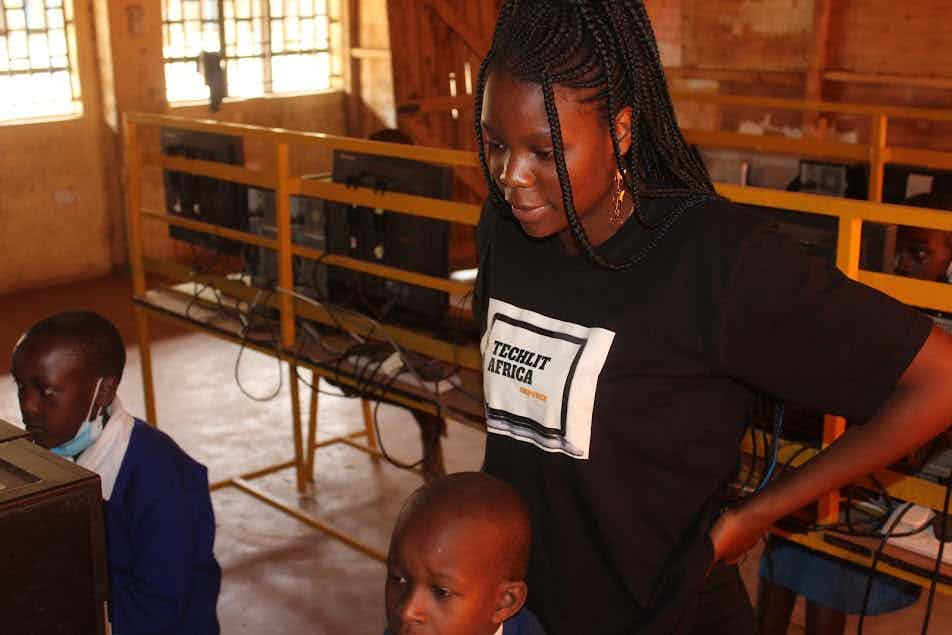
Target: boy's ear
[[107, 393], [509, 600], [623, 129]]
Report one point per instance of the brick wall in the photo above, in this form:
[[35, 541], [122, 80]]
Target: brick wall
[[54, 222], [766, 47], [61, 213]]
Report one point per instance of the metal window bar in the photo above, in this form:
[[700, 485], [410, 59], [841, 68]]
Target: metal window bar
[[37, 45], [188, 28], [191, 22], [273, 32]]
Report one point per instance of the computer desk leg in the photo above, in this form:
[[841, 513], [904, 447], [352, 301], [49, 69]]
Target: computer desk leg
[[299, 459], [828, 507], [145, 362], [312, 425], [369, 424]]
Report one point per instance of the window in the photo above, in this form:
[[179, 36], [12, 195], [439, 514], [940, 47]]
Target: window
[[267, 46], [37, 55]]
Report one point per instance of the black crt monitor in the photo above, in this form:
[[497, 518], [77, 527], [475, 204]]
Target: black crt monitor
[[394, 239], [203, 198], [818, 234], [901, 182]]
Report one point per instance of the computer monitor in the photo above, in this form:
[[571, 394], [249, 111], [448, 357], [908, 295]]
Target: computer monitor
[[817, 236], [902, 182], [202, 198], [831, 179], [307, 229], [394, 239]]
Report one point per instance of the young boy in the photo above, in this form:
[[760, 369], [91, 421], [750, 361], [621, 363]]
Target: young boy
[[458, 559], [163, 576]]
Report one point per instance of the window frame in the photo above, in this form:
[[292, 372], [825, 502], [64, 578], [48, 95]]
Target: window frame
[[335, 54], [67, 11]]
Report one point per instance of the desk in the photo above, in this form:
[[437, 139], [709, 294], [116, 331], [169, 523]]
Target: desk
[[10, 432], [52, 543], [903, 486], [194, 306]]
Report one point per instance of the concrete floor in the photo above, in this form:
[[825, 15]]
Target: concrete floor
[[281, 576]]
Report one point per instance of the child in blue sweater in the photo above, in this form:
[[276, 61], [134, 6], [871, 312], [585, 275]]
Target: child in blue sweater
[[160, 529], [458, 558]]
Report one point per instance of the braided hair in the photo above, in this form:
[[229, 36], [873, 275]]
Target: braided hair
[[609, 46]]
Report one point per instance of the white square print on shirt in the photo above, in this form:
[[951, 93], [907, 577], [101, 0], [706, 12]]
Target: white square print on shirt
[[539, 378]]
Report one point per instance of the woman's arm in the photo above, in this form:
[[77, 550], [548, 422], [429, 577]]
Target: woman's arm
[[918, 409]]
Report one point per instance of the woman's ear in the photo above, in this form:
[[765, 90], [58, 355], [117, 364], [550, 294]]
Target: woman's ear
[[623, 129], [509, 600]]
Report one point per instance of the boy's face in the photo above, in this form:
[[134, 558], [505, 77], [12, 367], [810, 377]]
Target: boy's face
[[442, 580], [54, 389], [922, 253]]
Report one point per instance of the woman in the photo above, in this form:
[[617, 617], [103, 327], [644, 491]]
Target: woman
[[628, 315]]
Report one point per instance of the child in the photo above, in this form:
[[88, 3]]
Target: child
[[925, 253], [163, 576], [458, 559]]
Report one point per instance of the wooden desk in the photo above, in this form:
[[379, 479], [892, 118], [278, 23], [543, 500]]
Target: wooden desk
[[52, 543], [9, 432]]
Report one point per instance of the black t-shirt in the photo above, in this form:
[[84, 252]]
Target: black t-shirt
[[616, 401]]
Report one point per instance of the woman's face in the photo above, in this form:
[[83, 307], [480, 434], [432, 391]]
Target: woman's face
[[522, 163]]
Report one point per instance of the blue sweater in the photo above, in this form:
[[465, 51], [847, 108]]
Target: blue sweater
[[160, 529]]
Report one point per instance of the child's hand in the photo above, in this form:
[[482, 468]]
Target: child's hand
[[732, 536]]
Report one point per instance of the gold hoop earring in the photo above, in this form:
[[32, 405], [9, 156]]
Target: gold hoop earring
[[617, 215]]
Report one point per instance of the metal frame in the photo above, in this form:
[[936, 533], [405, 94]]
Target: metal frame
[[285, 184]]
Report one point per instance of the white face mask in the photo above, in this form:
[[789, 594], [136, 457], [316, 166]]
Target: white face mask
[[88, 431]]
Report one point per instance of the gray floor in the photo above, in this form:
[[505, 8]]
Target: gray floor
[[281, 576]]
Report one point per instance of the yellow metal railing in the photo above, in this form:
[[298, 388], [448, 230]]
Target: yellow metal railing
[[876, 152], [286, 184]]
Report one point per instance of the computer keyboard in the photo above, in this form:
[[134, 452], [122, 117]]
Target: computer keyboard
[[923, 543]]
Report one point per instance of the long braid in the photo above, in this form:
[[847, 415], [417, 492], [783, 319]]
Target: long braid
[[625, 163], [563, 173], [607, 45], [504, 12]]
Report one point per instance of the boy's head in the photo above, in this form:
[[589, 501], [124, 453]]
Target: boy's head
[[458, 557], [925, 253], [67, 368]]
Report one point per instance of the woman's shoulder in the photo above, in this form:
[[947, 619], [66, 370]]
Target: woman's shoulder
[[726, 219]]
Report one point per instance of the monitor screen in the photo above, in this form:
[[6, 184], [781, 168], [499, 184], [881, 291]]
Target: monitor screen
[[394, 239]]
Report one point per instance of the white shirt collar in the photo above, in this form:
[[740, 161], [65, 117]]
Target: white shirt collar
[[104, 457]]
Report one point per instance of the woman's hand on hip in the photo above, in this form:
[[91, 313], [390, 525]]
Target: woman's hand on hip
[[733, 535]]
